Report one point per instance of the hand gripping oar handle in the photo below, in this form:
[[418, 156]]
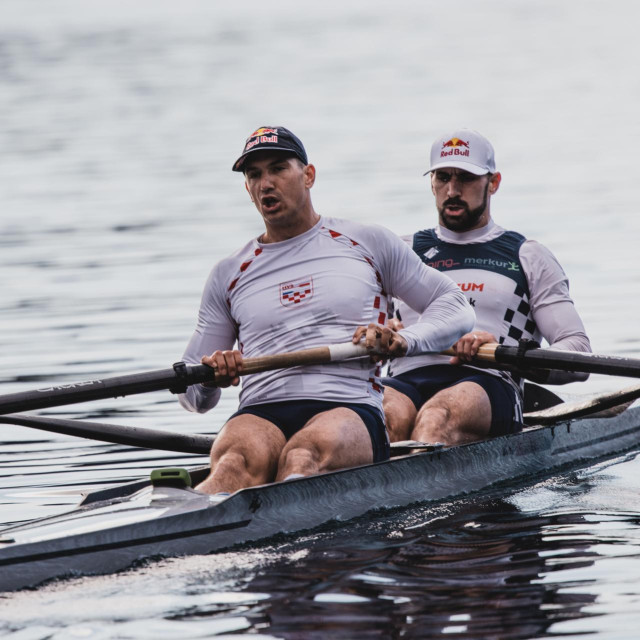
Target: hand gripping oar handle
[[557, 359], [176, 379]]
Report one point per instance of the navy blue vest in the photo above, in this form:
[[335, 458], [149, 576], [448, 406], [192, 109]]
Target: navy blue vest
[[499, 256]]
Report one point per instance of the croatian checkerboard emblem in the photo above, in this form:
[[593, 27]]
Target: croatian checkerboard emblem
[[292, 293]]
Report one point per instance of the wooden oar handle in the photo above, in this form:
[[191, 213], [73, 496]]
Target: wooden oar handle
[[486, 352], [317, 355]]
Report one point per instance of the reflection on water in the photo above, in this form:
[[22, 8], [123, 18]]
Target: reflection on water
[[474, 569], [478, 573]]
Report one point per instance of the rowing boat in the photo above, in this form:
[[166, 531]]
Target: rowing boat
[[163, 516]]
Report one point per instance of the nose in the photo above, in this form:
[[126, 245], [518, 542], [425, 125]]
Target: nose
[[454, 186], [266, 183]]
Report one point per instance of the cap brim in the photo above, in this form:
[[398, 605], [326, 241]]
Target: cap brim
[[238, 164], [457, 164]]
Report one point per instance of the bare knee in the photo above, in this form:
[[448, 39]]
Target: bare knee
[[232, 470], [434, 424], [231, 462], [455, 415], [400, 414], [296, 460]]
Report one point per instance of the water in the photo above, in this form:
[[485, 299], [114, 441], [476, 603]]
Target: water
[[119, 124]]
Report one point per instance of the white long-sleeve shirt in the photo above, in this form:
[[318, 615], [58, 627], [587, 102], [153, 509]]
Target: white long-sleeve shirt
[[316, 289]]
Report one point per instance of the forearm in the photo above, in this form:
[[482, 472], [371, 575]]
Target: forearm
[[562, 327], [440, 325]]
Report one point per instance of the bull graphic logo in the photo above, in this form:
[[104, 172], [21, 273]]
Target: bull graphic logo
[[455, 142], [264, 131], [293, 293]]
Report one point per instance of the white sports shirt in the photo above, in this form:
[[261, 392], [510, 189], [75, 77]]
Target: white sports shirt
[[314, 290]]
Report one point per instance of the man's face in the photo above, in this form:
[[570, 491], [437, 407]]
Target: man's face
[[462, 198], [278, 184]]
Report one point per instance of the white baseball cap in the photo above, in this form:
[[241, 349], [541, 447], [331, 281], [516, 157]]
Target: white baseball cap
[[463, 149]]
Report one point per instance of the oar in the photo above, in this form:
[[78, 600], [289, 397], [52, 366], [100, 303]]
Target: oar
[[604, 405], [613, 403], [556, 359], [140, 436], [176, 379], [132, 436], [116, 434]]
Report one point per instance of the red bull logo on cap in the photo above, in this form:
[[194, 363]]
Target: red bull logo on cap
[[263, 131], [261, 136], [455, 147]]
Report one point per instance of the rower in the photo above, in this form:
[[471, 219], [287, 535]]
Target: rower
[[308, 281], [516, 287]]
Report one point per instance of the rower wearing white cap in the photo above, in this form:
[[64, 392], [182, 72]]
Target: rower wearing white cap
[[518, 291]]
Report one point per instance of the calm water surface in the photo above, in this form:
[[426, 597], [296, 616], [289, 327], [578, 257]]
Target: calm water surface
[[120, 122]]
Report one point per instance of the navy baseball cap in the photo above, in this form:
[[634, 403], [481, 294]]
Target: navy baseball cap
[[271, 139]]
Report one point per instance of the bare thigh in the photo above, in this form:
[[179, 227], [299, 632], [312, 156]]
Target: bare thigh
[[245, 453], [456, 415], [334, 439]]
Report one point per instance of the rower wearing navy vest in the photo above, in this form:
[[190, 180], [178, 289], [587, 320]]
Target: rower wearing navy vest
[[518, 291]]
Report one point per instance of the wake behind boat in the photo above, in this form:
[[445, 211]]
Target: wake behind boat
[[117, 526]]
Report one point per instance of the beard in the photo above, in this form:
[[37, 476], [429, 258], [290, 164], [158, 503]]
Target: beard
[[469, 217]]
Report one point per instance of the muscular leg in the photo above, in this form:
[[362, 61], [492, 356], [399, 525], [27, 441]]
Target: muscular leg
[[400, 414], [334, 439], [245, 453], [456, 415]]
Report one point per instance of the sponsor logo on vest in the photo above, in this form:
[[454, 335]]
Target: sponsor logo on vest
[[490, 262], [443, 264], [471, 286], [432, 253], [292, 293]]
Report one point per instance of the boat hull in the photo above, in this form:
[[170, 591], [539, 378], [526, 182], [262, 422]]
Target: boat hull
[[119, 526]]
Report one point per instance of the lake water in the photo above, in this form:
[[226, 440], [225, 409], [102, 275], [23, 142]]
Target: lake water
[[119, 124]]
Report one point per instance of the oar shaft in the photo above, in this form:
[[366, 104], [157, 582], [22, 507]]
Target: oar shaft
[[176, 379], [118, 434], [557, 359], [98, 389]]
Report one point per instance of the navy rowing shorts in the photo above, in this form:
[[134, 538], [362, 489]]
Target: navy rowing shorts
[[423, 383], [291, 415]]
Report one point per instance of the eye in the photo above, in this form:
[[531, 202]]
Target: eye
[[468, 177], [442, 177]]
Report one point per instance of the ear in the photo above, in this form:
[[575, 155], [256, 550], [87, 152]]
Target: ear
[[309, 172], [494, 182], [246, 186], [431, 182]]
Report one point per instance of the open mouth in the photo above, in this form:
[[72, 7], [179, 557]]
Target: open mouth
[[269, 203]]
